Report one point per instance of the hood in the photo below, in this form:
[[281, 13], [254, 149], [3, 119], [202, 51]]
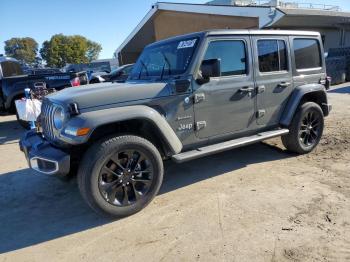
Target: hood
[[102, 94]]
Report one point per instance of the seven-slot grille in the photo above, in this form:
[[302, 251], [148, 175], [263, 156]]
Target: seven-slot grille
[[47, 113]]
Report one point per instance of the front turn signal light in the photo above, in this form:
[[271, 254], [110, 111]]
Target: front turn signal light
[[82, 131]]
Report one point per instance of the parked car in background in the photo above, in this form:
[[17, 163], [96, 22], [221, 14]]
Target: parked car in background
[[120, 74], [338, 64], [187, 97], [13, 81], [89, 67], [41, 71]]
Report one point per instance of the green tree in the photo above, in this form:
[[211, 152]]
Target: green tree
[[23, 49], [61, 49], [93, 51]]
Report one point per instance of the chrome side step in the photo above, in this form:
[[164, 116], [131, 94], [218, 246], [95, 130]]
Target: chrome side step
[[212, 149]]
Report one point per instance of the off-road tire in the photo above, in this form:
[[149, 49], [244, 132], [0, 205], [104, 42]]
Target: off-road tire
[[292, 141], [93, 162]]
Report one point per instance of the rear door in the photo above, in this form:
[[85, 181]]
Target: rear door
[[273, 77], [225, 104]]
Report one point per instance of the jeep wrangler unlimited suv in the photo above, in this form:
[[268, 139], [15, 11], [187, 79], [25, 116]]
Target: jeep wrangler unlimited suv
[[187, 97]]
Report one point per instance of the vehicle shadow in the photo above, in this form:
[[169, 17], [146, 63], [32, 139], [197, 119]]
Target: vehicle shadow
[[341, 90], [181, 175], [10, 131], [35, 208]]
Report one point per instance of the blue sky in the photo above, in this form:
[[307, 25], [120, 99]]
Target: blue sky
[[107, 22]]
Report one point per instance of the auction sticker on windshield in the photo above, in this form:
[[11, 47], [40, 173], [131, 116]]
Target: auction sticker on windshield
[[186, 44]]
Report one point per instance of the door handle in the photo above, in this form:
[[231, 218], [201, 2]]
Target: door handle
[[246, 89], [284, 84]]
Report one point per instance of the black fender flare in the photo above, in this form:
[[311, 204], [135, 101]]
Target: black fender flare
[[297, 96], [95, 119]]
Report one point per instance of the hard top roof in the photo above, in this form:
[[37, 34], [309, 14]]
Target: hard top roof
[[220, 32]]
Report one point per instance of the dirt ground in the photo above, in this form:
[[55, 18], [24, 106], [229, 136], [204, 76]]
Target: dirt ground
[[257, 203]]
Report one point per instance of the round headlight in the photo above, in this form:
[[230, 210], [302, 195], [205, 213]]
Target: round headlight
[[58, 118]]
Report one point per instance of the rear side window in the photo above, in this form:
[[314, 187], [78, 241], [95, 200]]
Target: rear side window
[[232, 54], [307, 53], [272, 55]]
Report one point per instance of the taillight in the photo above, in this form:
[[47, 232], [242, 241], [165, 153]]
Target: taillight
[[75, 81]]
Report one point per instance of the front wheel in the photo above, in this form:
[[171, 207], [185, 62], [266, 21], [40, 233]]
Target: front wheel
[[305, 130], [119, 176]]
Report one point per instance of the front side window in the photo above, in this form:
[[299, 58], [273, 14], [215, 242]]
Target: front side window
[[165, 60], [307, 53], [232, 54], [272, 55]]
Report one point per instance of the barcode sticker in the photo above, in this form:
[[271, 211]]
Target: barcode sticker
[[186, 44]]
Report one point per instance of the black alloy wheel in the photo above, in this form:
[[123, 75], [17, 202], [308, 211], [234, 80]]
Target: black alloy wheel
[[118, 176], [305, 130], [310, 129], [125, 177]]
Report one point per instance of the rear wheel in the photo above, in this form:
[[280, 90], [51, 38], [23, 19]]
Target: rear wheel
[[305, 130], [121, 175]]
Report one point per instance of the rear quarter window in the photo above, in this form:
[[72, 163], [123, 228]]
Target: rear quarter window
[[307, 53]]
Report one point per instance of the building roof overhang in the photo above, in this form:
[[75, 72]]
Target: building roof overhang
[[310, 18], [266, 15]]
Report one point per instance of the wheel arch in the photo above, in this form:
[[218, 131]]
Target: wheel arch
[[135, 120], [139, 126], [306, 93]]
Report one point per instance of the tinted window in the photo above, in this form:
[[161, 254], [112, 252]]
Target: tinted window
[[10, 68], [272, 55], [307, 53], [232, 55]]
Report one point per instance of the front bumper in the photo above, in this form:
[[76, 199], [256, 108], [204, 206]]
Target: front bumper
[[43, 157]]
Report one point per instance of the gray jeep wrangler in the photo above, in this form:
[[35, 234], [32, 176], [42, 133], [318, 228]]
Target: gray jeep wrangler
[[187, 97]]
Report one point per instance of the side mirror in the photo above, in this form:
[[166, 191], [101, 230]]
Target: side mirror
[[209, 68]]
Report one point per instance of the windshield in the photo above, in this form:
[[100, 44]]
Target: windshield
[[168, 59], [11, 68]]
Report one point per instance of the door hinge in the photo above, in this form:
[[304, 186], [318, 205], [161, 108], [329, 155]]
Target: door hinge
[[260, 113], [199, 97], [200, 125]]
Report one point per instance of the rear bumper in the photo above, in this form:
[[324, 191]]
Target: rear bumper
[[43, 157]]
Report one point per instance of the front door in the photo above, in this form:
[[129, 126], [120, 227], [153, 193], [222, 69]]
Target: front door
[[225, 104], [273, 77]]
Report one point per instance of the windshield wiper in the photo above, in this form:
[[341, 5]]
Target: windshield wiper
[[166, 61], [145, 67]]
